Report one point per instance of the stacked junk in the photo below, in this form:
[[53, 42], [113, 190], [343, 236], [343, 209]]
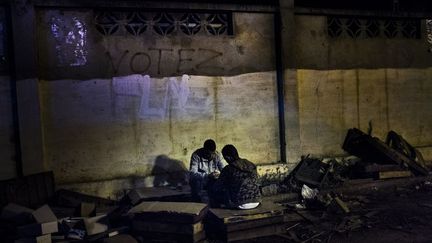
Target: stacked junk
[[39, 214], [67, 216], [372, 159], [337, 195]]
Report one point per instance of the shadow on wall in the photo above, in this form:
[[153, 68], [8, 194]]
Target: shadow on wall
[[169, 172]]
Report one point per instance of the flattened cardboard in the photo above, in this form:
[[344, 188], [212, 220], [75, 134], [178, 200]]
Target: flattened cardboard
[[31, 230], [96, 225], [120, 239], [165, 227], [44, 214], [38, 239], [87, 209], [17, 213], [178, 212]]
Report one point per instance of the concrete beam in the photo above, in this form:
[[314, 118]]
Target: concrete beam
[[27, 90], [292, 124]]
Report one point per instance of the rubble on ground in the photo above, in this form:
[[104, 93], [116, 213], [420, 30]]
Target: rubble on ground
[[323, 199]]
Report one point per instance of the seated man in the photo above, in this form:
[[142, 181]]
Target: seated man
[[205, 166], [237, 185]]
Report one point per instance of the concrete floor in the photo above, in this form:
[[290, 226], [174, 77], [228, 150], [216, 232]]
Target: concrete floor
[[403, 214]]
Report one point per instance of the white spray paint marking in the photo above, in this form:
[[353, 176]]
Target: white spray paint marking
[[154, 103], [128, 85]]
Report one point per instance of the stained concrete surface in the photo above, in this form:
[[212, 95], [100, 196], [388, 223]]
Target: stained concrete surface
[[72, 48], [315, 49], [398, 214], [95, 130], [384, 99], [7, 146], [86, 136]]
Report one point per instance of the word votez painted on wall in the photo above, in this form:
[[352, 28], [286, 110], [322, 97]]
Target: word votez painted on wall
[[166, 60], [71, 46]]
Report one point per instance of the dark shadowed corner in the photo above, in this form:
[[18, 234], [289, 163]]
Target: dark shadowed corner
[[169, 172]]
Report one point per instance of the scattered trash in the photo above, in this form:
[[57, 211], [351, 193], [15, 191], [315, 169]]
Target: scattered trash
[[308, 193]]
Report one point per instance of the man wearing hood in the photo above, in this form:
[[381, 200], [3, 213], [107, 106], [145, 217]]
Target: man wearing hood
[[205, 166], [237, 185]]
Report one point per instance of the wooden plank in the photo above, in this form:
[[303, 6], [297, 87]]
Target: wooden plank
[[124, 238], [265, 210], [178, 212], [165, 227], [69, 198], [378, 185], [217, 226], [379, 168], [292, 217], [169, 237], [254, 223], [31, 191], [157, 194], [267, 230], [374, 150], [394, 174]]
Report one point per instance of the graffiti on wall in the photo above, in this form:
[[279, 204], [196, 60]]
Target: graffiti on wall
[[157, 98], [167, 60], [70, 35]]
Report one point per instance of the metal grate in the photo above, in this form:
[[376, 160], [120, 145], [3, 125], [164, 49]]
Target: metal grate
[[164, 23], [361, 28]]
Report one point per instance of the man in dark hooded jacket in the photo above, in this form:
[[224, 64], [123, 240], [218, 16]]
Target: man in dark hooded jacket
[[237, 185]]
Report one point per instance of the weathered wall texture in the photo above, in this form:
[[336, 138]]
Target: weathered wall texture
[[70, 47], [104, 119], [315, 49], [7, 147], [340, 97], [135, 126], [389, 99]]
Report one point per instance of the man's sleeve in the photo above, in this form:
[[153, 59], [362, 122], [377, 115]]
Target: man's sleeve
[[194, 171], [219, 162], [222, 179]]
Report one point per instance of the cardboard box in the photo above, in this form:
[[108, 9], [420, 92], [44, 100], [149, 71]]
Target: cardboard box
[[87, 209], [44, 214], [38, 239], [176, 212], [16, 213], [96, 225], [37, 229], [120, 239], [46, 223]]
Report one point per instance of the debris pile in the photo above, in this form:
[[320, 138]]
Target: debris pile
[[404, 211], [168, 221], [371, 159], [327, 198], [339, 195]]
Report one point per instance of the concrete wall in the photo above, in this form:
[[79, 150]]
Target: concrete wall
[[103, 120], [7, 146], [132, 126], [315, 49], [70, 47], [389, 99], [334, 96]]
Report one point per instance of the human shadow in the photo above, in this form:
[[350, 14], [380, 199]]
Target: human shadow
[[169, 172]]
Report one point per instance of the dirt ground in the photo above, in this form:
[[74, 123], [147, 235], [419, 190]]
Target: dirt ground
[[398, 215]]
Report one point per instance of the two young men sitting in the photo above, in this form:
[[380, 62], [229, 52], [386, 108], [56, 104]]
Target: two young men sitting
[[233, 186]]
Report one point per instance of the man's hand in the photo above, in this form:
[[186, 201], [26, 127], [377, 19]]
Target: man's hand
[[214, 175]]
